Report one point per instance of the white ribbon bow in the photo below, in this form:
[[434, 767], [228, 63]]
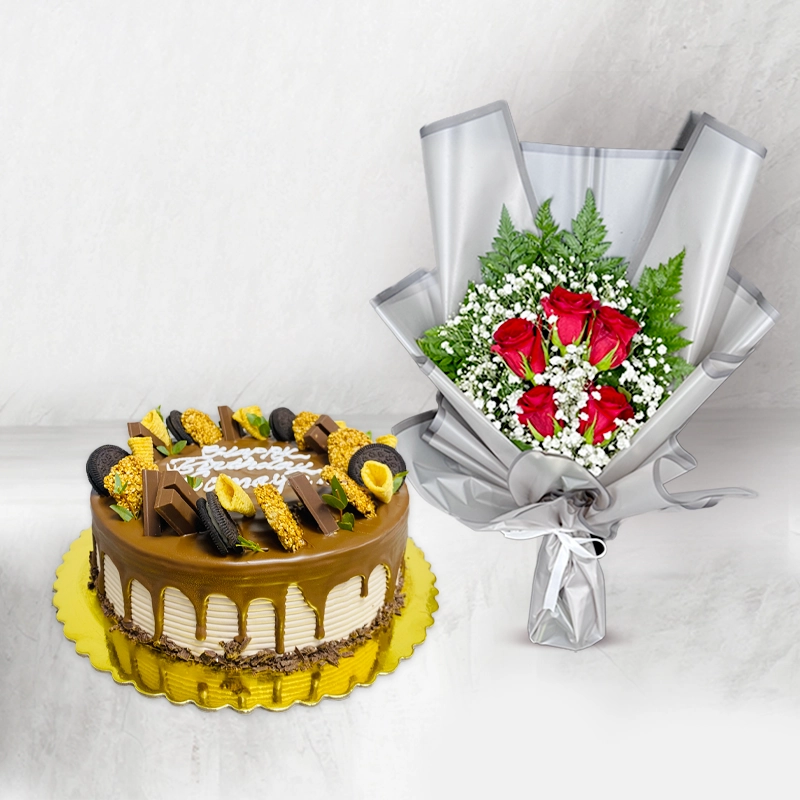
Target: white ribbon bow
[[569, 545]]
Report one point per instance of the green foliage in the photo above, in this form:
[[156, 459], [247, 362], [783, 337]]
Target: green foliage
[[458, 337], [347, 522], [587, 239], [656, 296], [337, 499], [247, 544], [194, 482], [123, 512], [171, 449], [398, 481], [119, 485], [510, 249], [259, 423]]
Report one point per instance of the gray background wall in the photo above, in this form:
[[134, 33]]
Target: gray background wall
[[197, 200]]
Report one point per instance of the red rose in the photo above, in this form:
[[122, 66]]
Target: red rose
[[611, 333], [538, 408], [573, 312], [610, 405], [520, 341]]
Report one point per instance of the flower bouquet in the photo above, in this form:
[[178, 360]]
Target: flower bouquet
[[566, 365]]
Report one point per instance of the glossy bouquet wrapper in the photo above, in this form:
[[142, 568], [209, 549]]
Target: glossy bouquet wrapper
[[655, 203]]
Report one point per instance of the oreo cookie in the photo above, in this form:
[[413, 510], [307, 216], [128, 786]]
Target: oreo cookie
[[218, 523], [100, 463], [374, 452], [175, 427], [280, 424]]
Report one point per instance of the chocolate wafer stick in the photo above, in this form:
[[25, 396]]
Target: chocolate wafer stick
[[307, 495], [137, 429], [316, 436]]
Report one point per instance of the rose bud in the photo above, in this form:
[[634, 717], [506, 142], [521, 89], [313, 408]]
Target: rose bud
[[519, 343], [537, 408], [605, 405], [573, 312], [610, 338]]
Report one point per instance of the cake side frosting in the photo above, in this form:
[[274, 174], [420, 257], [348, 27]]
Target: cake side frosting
[[179, 587]]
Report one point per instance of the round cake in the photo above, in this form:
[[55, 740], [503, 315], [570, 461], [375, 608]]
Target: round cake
[[264, 598]]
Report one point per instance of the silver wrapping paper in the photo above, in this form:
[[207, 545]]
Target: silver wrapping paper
[[655, 203]]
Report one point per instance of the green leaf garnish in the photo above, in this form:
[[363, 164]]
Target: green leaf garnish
[[171, 449], [338, 498], [247, 544], [126, 515], [119, 485], [158, 411], [347, 522], [398, 481], [193, 481], [334, 502], [259, 423], [369, 435], [338, 490]]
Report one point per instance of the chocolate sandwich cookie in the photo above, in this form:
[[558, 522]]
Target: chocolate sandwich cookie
[[218, 523], [280, 423], [374, 452], [175, 427], [100, 463]]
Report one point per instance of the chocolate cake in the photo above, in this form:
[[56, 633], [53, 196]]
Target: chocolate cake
[[247, 569]]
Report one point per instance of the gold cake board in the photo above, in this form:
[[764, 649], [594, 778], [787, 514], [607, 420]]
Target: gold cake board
[[153, 673]]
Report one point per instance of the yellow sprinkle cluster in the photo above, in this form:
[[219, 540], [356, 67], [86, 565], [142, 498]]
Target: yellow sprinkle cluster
[[378, 479], [356, 496], [342, 444], [301, 425], [130, 473], [153, 422], [142, 450], [279, 517], [232, 497], [241, 417], [387, 439], [200, 427]]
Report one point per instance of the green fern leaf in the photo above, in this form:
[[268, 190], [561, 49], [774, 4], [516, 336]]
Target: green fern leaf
[[510, 248], [656, 296], [588, 232]]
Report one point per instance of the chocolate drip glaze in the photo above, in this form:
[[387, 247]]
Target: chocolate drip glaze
[[191, 564]]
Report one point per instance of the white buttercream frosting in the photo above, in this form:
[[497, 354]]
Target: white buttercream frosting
[[345, 611]]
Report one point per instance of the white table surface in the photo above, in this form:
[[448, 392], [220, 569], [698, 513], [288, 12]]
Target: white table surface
[[694, 692]]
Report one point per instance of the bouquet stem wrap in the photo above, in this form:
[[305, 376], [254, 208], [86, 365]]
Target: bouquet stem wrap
[[655, 203]]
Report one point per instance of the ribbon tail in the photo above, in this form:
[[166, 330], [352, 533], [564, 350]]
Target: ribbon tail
[[568, 595]]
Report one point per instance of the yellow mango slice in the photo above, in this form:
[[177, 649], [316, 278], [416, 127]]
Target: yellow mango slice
[[153, 422], [142, 450], [241, 417], [232, 497], [387, 439], [378, 479]]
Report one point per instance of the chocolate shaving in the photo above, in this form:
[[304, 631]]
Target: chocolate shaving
[[265, 660]]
